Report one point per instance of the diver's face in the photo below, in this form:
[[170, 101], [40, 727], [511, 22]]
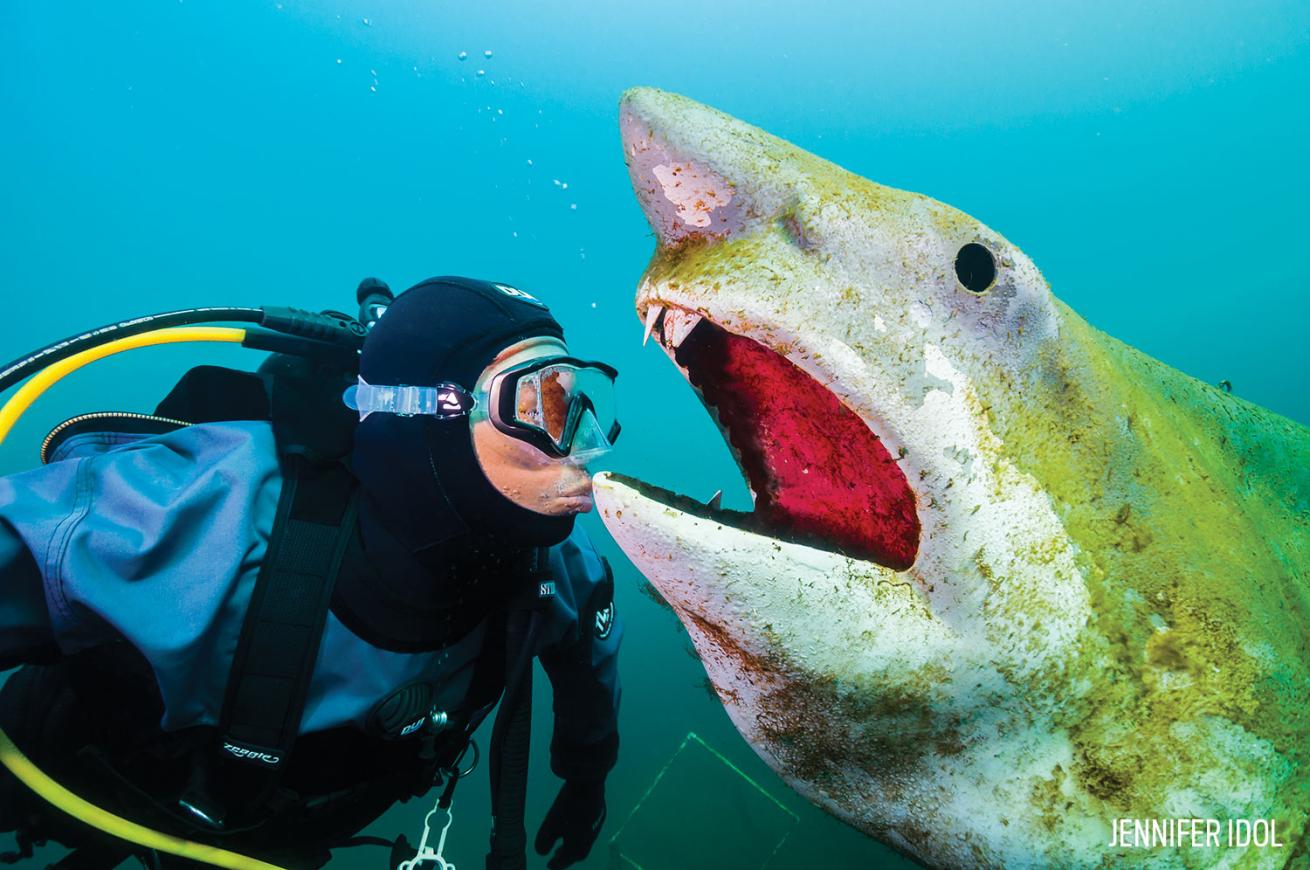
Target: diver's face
[[521, 472]]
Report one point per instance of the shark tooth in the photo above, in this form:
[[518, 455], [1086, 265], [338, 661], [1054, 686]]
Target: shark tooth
[[653, 313], [678, 324], [715, 500]]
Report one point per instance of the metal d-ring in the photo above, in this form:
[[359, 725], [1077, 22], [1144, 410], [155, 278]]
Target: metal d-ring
[[454, 771]]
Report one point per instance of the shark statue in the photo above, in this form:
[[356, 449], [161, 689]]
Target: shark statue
[[1007, 581]]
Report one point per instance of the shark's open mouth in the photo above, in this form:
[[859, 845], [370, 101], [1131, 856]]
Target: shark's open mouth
[[820, 476]]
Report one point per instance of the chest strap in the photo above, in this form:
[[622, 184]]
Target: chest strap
[[275, 655]]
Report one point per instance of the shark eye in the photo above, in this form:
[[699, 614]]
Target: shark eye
[[975, 267]]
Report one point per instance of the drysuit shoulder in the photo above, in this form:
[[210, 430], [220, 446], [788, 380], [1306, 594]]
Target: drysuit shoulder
[[585, 587], [156, 540]]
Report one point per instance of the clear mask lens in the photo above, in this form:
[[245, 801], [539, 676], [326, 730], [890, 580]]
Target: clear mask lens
[[589, 441], [542, 400], [558, 399]]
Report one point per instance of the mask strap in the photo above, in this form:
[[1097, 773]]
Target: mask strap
[[443, 400]]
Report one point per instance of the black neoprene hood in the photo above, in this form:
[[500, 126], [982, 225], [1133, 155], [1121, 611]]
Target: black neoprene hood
[[420, 472]]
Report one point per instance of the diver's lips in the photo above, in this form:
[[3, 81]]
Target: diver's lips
[[820, 476]]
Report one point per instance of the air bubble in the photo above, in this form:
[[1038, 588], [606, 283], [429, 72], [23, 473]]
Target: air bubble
[[463, 55], [482, 72], [487, 53]]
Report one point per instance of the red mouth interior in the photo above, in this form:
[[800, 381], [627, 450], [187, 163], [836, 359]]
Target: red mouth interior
[[819, 474]]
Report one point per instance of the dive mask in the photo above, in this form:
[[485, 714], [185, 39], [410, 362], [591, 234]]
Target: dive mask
[[561, 405]]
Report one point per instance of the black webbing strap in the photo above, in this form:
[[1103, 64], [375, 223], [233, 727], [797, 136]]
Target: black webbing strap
[[511, 736], [279, 639]]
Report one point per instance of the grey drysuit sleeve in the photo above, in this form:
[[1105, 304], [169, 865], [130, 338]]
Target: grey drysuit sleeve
[[582, 664]]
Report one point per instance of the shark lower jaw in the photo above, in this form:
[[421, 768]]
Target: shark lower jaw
[[819, 475]]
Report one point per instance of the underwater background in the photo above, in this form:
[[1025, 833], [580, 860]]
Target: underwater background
[[1150, 158]]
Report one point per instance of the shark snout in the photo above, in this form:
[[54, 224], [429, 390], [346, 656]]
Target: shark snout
[[683, 195]]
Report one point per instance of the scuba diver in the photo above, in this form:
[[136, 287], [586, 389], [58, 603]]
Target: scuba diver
[[251, 622]]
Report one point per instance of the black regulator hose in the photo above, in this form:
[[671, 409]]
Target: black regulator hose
[[319, 330], [31, 363]]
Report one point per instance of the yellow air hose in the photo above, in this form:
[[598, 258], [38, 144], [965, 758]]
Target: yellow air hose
[[48, 376], [10, 755]]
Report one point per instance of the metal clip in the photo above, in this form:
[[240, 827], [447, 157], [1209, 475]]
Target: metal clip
[[427, 855]]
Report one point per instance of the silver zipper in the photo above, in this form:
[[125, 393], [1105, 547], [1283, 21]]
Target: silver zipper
[[97, 415]]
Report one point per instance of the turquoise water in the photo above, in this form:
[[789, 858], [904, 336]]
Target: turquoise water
[[1152, 162]]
